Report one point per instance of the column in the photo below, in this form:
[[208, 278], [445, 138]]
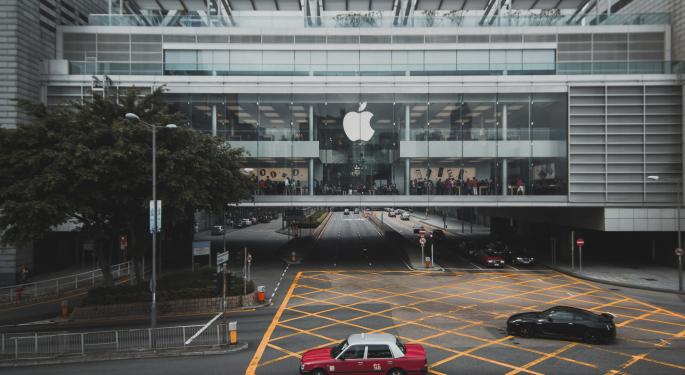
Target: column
[[214, 120], [505, 180], [407, 137], [311, 160]]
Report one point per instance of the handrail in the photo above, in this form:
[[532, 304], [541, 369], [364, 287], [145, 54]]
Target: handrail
[[58, 285]]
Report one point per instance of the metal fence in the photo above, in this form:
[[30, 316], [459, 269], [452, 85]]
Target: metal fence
[[41, 346], [57, 286]]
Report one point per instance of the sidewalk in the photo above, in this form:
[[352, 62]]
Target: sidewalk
[[454, 225], [413, 253], [640, 276]]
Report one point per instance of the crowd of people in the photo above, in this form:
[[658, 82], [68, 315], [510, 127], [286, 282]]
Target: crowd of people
[[450, 186]]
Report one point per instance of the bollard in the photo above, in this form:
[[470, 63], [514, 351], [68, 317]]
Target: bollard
[[261, 294], [65, 309], [232, 333], [292, 256], [17, 292]]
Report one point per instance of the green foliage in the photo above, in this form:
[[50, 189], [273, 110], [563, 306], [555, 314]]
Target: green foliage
[[84, 163], [173, 286], [312, 220]]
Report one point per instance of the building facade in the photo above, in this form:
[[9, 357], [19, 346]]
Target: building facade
[[571, 104]]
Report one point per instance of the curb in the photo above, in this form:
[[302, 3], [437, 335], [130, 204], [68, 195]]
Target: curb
[[614, 283], [123, 356]]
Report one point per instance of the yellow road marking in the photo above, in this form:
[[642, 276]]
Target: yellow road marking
[[267, 335], [553, 354]]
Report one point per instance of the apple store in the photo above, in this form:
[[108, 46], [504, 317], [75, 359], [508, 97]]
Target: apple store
[[392, 144]]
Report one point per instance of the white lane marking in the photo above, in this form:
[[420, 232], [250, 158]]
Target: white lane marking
[[278, 283]]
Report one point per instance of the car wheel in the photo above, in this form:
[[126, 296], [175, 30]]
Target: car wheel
[[590, 338], [318, 371], [396, 371], [525, 331]]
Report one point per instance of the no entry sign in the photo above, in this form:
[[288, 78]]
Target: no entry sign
[[580, 242], [422, 241], [679, 252]]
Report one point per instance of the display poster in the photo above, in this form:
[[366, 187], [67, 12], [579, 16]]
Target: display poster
[[545, 171], [442, 173], [279, 174]]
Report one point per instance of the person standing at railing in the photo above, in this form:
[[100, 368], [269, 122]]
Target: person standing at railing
[[24, 273]]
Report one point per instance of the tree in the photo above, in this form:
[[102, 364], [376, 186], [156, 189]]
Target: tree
[[84, 163]]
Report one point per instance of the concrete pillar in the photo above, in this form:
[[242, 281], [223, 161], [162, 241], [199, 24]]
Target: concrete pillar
[[505, 180], [407, 121], [311, 176], [407, 175], [214, 130], [311, 122], [505, 122]]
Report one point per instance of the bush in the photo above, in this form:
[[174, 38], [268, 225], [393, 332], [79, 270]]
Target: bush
[[173, 286]]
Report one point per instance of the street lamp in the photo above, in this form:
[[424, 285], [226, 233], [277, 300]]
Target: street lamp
[[153, 307], [680, 247]]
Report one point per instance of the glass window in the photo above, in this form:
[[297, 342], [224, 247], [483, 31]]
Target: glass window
[[180, 62], [513, 116], [378, 351], [278, 61], [473, 61], [548, 116], [444, 120], [374, 60], [343, 61], [246, 60], [354, 352], [275, 118], [478, 114], [441, 60], [242, 115], [538, 60], [561, 315]]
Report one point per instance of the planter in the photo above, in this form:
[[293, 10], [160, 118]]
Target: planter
[[198, 305]]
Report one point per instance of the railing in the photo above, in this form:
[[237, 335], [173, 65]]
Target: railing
[[482, 69], [37, 345], [377, 19], [57, 286]]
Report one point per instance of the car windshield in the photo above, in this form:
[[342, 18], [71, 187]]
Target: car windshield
[[339, 349], [401, 346]]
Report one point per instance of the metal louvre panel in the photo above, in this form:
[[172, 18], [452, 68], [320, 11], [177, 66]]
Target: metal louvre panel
[[618, 135]]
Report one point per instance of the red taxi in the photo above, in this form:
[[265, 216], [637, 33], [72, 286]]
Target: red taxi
[[366, 354]]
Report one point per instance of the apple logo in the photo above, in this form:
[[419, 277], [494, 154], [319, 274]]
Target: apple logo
[[357, 125]]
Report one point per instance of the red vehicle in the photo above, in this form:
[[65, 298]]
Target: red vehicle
[[491, 258], [366, 354]]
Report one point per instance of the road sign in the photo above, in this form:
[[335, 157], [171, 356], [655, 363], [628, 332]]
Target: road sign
[[679, 252], [222, 258], [422, 241], [201, 248], [580, 242], [422, 232], [159, 217], [249, 258]]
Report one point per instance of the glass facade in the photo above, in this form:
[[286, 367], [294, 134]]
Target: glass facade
[[410, 144]]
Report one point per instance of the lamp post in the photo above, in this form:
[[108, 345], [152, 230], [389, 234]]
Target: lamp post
[[680, 245], [153, 305]]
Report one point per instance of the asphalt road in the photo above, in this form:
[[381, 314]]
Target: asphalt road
[[349, 243]]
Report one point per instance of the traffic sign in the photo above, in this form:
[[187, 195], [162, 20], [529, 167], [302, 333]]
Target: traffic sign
[[249, 258], [580, 242], [222, 258], [679, 252], [422, 241]]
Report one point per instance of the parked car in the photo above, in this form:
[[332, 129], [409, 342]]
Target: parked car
[[264, 219], [391, 214], [438, 235], [491, 258], [377, 353], [237, 224], [418, 228], [564, 322], [217, 230], [346, 211], [404, 216], [253, 220], [356, 210], [246, 222], [518, 256]]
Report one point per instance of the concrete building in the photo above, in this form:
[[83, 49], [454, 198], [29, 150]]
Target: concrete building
[[28, 39], [516, 108]]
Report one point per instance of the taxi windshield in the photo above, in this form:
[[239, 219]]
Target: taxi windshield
[[339, 349]]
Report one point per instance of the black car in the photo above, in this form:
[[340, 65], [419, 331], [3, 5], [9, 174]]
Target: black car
[[519, 257], [438, 235], [564, 322]]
